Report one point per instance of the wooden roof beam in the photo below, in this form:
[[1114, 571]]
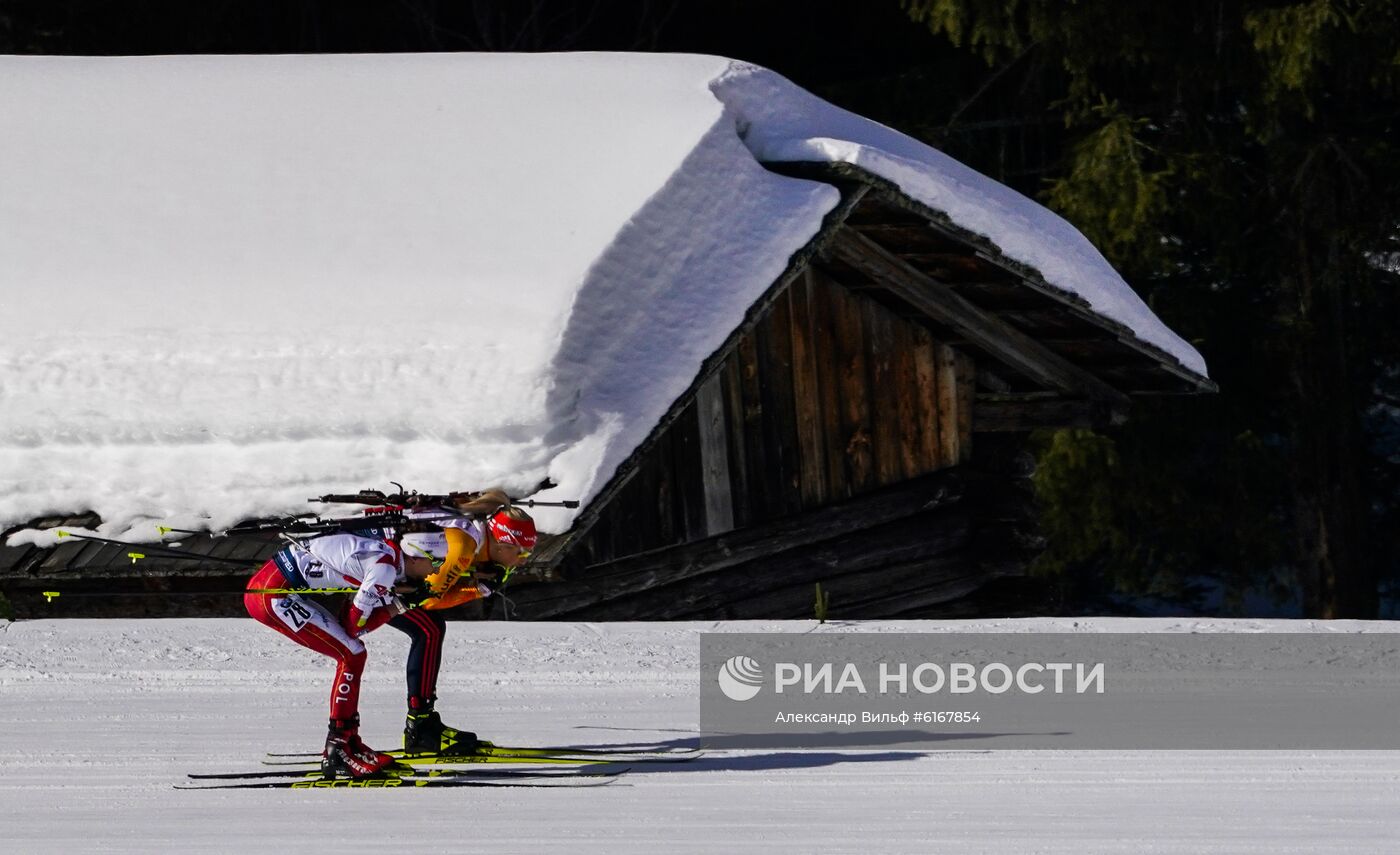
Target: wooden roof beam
[[988, 332], [998, 413]]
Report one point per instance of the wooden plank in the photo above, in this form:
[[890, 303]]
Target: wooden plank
[[990, 380], [223, 547], [732, 384], [620, 515], [1057, 322], [235, 550], [599, 543], [930, 580], [826, 293], [688, 468], [949, 586], [664, 531], [756, 455], [988, 332], [12, 558], [626, 529], [886, 443], [761, 430], [896, 580], [876, 214], [1013, 414], [105, 555], [916, 236], [226, 549], [1003, 296], [953, 267], [256, 548], [66, 552], [779, 409], [1099, 351], [855, 391], [646, 512], [904, 396], [714, 456], [948, 450], [925, 355], [965, 374], [811, 446]]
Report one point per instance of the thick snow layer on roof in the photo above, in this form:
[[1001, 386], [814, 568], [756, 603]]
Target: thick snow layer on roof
[[231, 283], [784, 123]]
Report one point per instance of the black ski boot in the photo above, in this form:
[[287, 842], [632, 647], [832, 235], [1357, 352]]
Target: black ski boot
[[424, 733], [345, 756]]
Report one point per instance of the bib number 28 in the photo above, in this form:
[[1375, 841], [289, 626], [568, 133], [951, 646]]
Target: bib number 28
[[294, 613]]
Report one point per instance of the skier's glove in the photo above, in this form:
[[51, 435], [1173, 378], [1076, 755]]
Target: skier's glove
[[357, 623]]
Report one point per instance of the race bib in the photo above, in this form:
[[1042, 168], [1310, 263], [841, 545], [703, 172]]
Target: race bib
[[293, 612]]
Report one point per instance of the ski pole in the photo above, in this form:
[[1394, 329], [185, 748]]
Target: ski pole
[[49, 596], [136, 555]]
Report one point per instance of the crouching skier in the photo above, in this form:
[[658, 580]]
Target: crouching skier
[[371, 566], [465, 541]]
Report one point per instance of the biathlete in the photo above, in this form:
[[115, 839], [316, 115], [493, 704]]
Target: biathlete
[[372, 567], [437, 565], [473, 544]]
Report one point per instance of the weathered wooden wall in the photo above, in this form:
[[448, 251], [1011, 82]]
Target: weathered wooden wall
[[908, 549], [828, 396]]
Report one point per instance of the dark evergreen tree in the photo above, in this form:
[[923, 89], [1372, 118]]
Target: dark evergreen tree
[[1237, 162]]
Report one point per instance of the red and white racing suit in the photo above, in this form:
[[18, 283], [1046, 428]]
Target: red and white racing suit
[[371, 566]]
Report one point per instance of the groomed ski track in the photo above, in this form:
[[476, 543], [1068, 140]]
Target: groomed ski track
[[99, 718]]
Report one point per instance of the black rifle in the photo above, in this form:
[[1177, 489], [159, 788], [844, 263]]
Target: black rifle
[[415, 499], [306, 524]]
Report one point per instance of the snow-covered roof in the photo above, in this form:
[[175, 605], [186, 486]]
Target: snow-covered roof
[[231, 283]]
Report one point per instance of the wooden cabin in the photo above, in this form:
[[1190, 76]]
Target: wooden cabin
[[861, 429], [853, 432]]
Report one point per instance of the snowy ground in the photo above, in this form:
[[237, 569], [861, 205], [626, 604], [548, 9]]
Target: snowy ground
[[99, 718]]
